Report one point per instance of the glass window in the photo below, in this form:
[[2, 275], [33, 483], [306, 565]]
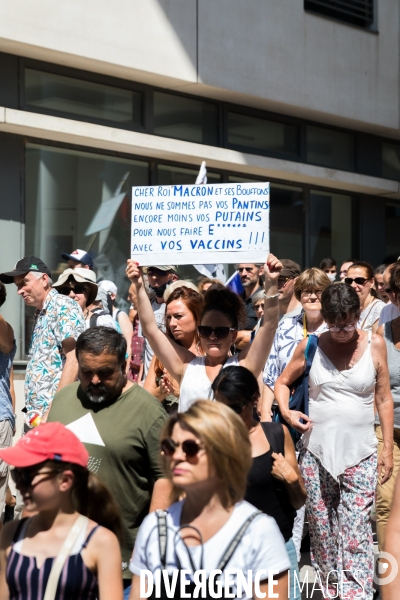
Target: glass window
[[185, 119], [330, 227], [330, 148], [64, 190], [392, 228], [391, 161], [171, 175], [80, 98], [286, 219], [261, 134]]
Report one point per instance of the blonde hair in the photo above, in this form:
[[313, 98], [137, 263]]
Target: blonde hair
[[227, 444], [310, 280]]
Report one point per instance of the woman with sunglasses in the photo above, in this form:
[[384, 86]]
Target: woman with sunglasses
[[69, 548], [360, 276], [338, 458], [207, 456], [274, 483], [80, 285], [218, 330], [183, 312]]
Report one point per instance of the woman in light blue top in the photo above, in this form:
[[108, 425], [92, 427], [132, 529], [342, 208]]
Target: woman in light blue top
[[7, 419]]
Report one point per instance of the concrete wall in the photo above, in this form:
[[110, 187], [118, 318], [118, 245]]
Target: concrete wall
[[264, 53]]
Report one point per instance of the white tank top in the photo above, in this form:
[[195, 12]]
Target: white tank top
[[342, 412], [195, 384]]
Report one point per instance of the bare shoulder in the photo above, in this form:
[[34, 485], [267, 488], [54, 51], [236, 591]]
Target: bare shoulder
[[378, 343], [101, 537]]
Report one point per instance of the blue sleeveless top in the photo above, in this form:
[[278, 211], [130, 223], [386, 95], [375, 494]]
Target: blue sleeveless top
[[26, 582], [6, 410]]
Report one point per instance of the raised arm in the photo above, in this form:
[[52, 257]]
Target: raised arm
[[255, 356], [384, 404], [293, 370], [173, 357]]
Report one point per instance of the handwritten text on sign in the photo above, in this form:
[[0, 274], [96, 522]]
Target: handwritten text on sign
[[199, 224]]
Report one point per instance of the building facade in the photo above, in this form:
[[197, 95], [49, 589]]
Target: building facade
[[96, 97]]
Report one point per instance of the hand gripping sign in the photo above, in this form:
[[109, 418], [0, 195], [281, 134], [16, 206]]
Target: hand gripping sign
[[200, 224]]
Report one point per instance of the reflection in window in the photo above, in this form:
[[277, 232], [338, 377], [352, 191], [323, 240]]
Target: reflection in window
[[185, 119], [286, 219], [85, 99], [330, 148], [261, 134], [330, 226], [391, 161], [392, 228], [64, 190], [171, 175]]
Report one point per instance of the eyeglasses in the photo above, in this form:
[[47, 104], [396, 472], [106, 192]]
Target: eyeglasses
[[308, 293], [282, 281], [189, 447], [357, 280], [247, 269], [24, 477], [220, 332], [347, 328], [77, 289], [154, 271]]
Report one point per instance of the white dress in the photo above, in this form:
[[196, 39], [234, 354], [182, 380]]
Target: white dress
[[195, 384], [341, 412]]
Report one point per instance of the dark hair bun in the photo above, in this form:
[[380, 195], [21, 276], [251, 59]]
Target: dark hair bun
[[225, 302]]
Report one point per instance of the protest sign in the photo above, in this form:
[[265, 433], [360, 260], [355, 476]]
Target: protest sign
[[200, 224]]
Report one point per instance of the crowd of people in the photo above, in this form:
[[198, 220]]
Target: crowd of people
[[167, 438]]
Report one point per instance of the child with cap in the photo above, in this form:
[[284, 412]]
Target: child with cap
[[60, 552]]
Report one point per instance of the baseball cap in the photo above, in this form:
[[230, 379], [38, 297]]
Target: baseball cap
[[161, 267], [24, 265], [80, 256], [48, 441], [290, 268], [177, 284]]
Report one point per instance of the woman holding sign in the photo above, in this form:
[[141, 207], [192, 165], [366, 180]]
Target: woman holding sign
[[218, 329]]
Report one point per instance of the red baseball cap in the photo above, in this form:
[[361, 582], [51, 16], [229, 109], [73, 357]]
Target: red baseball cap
[[49, 441]]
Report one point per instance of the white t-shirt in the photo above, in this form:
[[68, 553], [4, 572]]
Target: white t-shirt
[[388, 313], [262, 547], [370, 315]]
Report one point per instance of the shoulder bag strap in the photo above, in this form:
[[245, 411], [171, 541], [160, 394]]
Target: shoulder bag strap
[[369, 312], [227, 555], [309, 354], [274, 433], [79, 526], [162, 535]]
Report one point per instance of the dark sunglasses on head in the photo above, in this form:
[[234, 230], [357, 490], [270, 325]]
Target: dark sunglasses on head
[[24, 477], [189, 447], [357, 280], [220, 332], [77, 289]]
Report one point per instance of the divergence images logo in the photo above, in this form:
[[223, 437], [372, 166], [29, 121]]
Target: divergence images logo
[[383, 577]]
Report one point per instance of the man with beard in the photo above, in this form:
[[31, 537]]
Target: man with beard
[[120, 425], [250, 274], [159, 278]]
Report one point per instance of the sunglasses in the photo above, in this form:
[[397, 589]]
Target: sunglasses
[[77, 289], [153, 271], [282, 281], [357, 280], [189, 447], [220, 332], [308, 293], [247, 269], [347, 328], [24, 477]]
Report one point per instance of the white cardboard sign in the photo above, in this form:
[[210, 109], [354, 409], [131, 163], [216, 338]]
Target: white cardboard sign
[[200, 224]]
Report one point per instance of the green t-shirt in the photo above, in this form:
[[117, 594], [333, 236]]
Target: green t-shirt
[[122, 438]]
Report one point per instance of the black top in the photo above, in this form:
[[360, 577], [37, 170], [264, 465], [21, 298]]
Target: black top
[[251, 317], [267, 493]]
